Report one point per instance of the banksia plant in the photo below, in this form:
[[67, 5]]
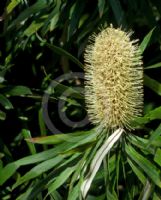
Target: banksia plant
[[113, 88], [114, 79]]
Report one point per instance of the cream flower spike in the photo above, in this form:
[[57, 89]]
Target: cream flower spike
[[113, 88], [114, 79]]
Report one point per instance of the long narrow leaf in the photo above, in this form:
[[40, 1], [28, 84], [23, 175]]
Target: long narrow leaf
[[152, 84], [144, 164], [146, 41], [61, 179], [39, 169]]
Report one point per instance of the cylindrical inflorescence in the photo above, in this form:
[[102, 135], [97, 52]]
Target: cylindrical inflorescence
[[114, 79]]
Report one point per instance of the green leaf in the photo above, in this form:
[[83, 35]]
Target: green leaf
[[152, 84], [18, 90], [144, 164], [110, 195], [33, 27], [60, 88], [56, 196], [154, 114], [54, 21], [147, 191], [11, 168], [101, 6], [7, 172], [70, 137], [118, 12], [11, 6], [140, 143], [52, 18], [61, 179], [40, 4], [2, 115], [42, 124], [157, 65], [39, 169], [75, 17], [156, 196], [61, 52], [51, 176], [137, 171], [154, 136], [101, 197], [26, 133], [157, 157], [5, 102], [73, 195], [146, 41], [25, 194]]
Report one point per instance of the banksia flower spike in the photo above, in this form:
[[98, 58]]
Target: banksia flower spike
[[113, 88], [114, 79]]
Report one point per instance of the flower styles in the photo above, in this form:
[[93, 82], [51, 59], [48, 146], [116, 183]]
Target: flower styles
[[114, 79]]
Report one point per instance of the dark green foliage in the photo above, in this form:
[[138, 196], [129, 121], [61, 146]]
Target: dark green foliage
[[41, 40]]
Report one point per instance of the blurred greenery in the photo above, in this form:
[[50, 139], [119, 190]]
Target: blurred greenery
[[41, 40]]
